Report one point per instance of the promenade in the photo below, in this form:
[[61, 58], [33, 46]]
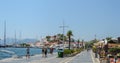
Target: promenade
[[83, 57]]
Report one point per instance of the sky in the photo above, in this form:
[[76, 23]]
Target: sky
[[39, 18]]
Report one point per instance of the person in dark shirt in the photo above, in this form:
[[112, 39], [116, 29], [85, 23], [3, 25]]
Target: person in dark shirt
[[28, 53], [45, 51], [51, 50]]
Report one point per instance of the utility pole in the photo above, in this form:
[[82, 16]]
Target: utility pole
[[96, 52], [63, 27], [95, 38]]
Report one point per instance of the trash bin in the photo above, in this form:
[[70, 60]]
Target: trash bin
[[60, 53]]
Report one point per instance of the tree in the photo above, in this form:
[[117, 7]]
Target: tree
[[72, 40], [69, 34], [25, 45], [108, 38], [54, 38], [60, 37], [48, 38]]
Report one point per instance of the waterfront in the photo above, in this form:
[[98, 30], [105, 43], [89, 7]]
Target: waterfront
[[19, 52], [54, 59]]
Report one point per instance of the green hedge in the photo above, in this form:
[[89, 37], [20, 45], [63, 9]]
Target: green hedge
[[114, 50], [94, 49], [67, 51], [72, 51]]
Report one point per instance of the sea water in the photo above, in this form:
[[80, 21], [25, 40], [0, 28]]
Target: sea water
[[19, 52]]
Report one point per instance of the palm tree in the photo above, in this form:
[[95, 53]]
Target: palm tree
[[78, 43], [69, 34]]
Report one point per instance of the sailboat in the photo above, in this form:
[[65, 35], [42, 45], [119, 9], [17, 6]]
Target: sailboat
[[3, 46], [4, 50]]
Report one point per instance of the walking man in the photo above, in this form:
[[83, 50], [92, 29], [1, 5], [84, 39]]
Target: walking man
[[28, 53], [45, 51]]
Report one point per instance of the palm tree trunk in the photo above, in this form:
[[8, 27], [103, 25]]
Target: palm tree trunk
[[69, 42]]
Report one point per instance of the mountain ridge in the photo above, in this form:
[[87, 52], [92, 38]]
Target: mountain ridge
[[17, 41]]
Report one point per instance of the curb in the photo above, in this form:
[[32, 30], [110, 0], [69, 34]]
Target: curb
[[93, 58], [69, 59]]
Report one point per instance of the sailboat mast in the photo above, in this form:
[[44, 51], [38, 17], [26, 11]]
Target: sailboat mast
[[20, 37], [15, 38], [4, 33]]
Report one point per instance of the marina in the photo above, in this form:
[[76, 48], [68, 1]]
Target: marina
[[10, 52]]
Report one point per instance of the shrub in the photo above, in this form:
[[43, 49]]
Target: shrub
[[67, 51], [72, 51], [94, 49], [114, 50]]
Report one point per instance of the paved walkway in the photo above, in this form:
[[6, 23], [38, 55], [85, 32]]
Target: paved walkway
[[37, 59], [83, 57]]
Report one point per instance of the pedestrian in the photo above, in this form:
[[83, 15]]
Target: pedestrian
[[27, 53], [96, 53], [43, 52], [51, 50]]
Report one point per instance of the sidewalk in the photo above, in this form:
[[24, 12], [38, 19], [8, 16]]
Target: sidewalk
[[83, 57], [95, 60], [38, 59]]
